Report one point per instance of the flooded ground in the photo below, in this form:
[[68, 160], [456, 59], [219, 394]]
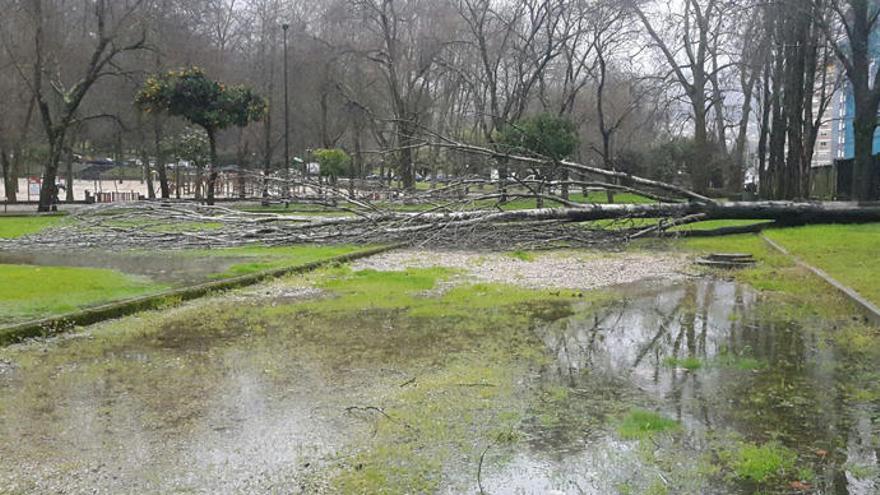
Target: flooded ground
[[374, 382], [161, 267]]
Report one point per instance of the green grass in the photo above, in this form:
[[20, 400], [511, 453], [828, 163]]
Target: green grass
[[409, 291], [13, 227], [470, 341], [270, 258], [38, 291], [849, 253], [760, 463], [742, 363], [715, 224], [640, 424], [689, 363], [522, 255], [774, 273]]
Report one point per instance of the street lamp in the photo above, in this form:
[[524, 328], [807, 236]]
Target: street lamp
[[286, 28]]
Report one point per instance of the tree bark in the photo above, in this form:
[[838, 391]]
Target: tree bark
[[864, 173], [9, 178], [212, 171], [160, 159], [148, 174], [68, 164]]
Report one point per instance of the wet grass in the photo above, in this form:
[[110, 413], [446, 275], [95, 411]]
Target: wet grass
[[760, 464], [740, 362], [270, 258], [641, 424], [687, 363], [848, 253], [774, 274], [459, 352], [465, 359], [13, 227], [37, 291], [464, 345], [523, 255]]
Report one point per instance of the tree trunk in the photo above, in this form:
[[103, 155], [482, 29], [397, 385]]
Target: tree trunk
[[267, 154], [699, 168], [160, 159], [405, 139], [864, 176], [9, 178], [566, 176], [48, 190], [148, 174], [783, 212], [212, 171], [68, 165]]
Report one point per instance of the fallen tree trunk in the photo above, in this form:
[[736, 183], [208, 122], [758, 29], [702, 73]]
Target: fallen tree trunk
[[785, 212], [181, 225]]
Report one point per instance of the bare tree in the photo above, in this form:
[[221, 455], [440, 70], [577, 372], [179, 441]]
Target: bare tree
[[859, 21], [57, 100], [691, 48]]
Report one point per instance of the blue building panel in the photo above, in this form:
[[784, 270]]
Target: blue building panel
[[849, 147]]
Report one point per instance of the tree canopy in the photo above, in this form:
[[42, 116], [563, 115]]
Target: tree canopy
[[191, 94]]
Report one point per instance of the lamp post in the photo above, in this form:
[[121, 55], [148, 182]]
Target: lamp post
[[286, 28]]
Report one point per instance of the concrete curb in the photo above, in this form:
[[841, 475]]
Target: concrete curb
[[171, 298], [871, 311]]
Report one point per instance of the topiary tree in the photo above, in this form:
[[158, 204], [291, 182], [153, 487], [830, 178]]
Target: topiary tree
[[190, 94], [544, 135], [334, 162]]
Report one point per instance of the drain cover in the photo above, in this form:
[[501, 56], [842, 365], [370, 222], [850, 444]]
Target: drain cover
[[727, 260]]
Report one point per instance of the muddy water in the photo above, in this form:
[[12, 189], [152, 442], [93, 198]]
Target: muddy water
[[167, 268], [220, 403]]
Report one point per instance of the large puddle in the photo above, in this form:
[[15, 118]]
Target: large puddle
[[710, 356], [249, 411], [173, 268]]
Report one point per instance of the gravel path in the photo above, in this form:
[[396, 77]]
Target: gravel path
[[555, 270]]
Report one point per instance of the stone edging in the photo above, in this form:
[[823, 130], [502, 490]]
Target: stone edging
[[871, 311], [170, 298]]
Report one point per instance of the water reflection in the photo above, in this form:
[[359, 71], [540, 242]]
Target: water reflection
[[168, 268], [712, 355]]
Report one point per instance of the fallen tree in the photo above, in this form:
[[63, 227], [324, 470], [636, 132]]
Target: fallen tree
[[453, 215], [180, 225]]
